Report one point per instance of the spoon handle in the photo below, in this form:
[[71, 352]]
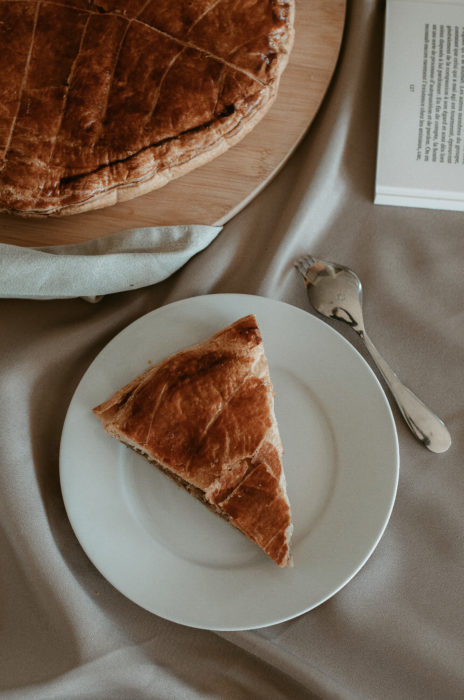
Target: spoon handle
[[424, 424]]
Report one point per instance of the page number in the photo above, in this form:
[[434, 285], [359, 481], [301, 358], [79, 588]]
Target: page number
[[412, 87]]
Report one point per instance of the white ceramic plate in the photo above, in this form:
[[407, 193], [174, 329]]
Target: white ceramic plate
[[163, 549]]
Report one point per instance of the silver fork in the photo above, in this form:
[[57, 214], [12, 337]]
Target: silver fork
[[335, 292]]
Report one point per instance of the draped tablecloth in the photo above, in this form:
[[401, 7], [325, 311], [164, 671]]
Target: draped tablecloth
[[397, 629]]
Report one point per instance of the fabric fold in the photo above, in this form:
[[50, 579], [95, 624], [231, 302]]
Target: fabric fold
[[120, 262]]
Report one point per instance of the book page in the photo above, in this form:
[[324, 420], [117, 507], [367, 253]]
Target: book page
[[421, 133], [440, 135]]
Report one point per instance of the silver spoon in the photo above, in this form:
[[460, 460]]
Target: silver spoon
[[335, 292]]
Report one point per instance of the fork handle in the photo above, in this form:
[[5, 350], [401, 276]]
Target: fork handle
[[424, 424]]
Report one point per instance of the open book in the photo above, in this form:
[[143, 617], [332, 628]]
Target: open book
[[420, 159]]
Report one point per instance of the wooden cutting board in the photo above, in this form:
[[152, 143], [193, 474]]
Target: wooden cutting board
[[214, 193]]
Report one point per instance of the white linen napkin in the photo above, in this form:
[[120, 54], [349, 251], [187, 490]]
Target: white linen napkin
[[119, 262]]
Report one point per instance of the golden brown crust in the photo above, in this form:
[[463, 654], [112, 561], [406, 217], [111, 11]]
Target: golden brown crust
[[206, 414], [104, 100]]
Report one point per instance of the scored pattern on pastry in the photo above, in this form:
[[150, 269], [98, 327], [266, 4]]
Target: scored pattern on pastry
[[104, 100]]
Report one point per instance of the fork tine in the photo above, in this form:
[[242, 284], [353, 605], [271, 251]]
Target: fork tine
[[303, 265]]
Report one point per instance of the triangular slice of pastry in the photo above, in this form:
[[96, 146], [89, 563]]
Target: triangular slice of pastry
[[205, 417]]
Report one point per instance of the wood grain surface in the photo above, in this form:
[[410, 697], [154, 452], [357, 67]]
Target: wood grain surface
[[215, 192]]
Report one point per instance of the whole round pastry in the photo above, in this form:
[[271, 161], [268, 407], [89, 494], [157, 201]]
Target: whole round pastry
[[105, 100]]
